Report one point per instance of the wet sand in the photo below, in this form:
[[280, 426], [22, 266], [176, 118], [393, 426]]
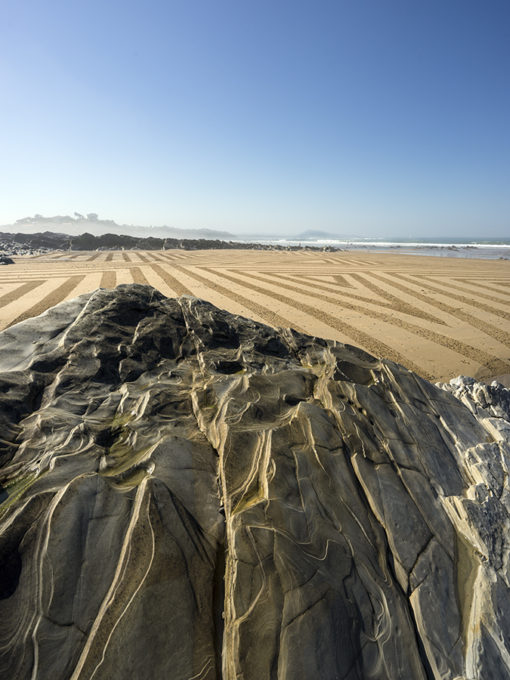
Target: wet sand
[[440, 317]]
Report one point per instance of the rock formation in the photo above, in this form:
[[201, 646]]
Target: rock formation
[[188, 494]]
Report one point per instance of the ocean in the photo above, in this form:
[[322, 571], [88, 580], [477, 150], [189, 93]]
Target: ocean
[[489, 249]]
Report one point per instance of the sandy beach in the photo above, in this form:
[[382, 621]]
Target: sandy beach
[[440, 317]]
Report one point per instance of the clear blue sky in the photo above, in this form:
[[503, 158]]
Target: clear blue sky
[[376, 117]]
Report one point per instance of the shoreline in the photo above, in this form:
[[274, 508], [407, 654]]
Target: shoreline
[[45, 242]]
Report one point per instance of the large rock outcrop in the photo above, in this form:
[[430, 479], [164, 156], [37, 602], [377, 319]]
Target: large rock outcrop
[[188, 494]]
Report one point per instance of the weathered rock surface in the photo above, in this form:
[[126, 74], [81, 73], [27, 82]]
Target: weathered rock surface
[[191, 495], [488, 403]]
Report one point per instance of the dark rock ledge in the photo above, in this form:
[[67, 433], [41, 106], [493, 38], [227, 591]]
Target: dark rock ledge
[[188, 494]]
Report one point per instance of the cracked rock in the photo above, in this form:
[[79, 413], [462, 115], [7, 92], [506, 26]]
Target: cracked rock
[[188, 494]]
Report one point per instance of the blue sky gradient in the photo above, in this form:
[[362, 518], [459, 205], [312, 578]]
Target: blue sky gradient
[[369, 117]]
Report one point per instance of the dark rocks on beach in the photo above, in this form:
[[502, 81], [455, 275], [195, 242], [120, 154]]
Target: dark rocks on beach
[[42, 242], [190, 494]]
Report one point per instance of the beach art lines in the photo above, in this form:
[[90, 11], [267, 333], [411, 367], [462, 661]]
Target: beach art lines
[[438, 316]]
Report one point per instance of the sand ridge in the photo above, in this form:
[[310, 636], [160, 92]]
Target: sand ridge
[[441, 317]]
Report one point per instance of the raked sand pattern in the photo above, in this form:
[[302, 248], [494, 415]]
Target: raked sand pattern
[[440, 317]]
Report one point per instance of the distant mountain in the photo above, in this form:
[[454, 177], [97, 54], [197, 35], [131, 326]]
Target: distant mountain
[[92, 224]]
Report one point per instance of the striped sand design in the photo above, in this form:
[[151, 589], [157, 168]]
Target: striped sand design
[[438, 316]]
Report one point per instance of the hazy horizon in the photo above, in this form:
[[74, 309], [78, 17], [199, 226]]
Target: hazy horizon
[[377, 119], [98, 225]]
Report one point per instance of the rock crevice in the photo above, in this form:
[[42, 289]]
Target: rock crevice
[[190, 494]]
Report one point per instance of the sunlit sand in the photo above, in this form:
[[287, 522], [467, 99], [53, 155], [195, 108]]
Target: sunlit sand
[[440, 317]]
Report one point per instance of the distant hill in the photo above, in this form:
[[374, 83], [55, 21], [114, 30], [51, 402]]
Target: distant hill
[[92, 224]]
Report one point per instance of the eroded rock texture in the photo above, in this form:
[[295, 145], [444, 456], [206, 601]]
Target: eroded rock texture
[[191, 495]]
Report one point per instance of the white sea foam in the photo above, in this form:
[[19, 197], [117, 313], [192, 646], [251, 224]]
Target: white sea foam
[[477, 249]]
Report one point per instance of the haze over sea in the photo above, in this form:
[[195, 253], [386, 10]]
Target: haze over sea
[[484, 248], [370, 118]]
